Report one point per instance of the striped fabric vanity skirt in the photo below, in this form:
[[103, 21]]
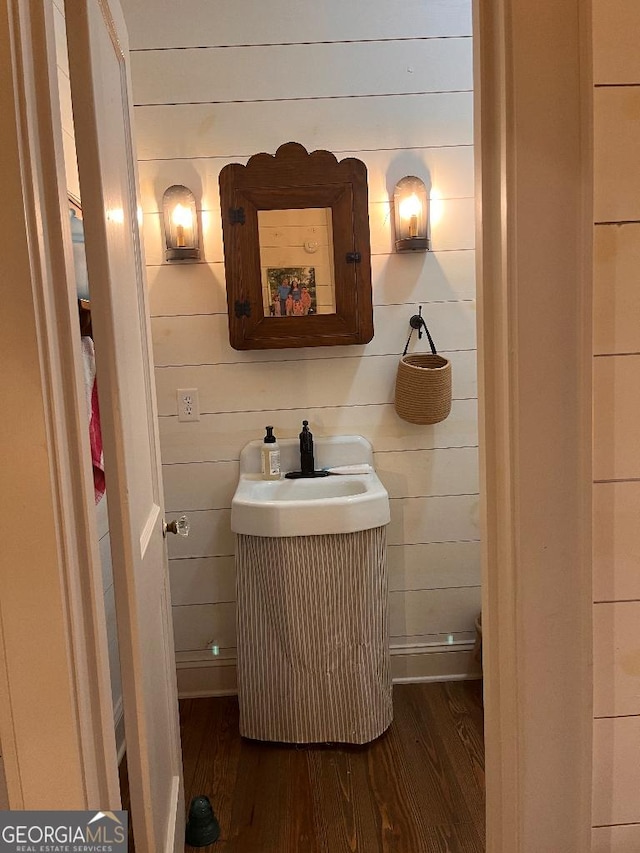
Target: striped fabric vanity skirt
[[313, 649]]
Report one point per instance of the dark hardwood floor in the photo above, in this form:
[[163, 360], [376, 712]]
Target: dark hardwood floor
[[417, 789]]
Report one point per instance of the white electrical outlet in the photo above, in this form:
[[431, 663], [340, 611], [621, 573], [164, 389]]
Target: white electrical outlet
[[188, 404]]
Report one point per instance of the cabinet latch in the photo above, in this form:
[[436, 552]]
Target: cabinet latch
[[236, 215], [354, 257]]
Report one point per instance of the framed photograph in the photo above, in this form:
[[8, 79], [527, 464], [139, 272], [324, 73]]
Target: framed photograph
[[291, 292]]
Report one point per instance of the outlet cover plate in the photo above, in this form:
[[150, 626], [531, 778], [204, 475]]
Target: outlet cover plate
[[188, 404]]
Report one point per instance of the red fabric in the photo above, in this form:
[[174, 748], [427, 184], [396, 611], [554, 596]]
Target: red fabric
[[93, 414], [95, 438]]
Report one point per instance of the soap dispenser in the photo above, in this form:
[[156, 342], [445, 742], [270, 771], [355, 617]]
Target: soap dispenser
[[270, 452]]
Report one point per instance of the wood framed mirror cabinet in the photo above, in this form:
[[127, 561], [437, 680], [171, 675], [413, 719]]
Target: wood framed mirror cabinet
[[297, 250]]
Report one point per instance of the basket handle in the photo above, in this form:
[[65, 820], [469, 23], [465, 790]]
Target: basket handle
[[418, 322]]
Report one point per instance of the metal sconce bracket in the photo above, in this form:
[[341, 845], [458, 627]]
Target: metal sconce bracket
[[411, 215], [180, 224]]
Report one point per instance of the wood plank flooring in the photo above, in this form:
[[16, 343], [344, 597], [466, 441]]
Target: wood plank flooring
[[417, 789]]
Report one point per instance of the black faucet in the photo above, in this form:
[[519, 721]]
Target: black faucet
[[307, 464]]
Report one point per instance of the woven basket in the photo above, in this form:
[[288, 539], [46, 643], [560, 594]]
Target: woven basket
[[423, 384]]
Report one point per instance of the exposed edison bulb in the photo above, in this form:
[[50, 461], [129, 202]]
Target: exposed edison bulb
[[182, 216], [410, 206], [181, 219], [436, 206]]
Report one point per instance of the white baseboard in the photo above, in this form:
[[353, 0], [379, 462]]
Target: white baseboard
[[421, 662], [200, 678], [118, 722], [436, 678], [433, 662]]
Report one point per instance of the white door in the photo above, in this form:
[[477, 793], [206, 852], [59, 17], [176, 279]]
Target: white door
[[100, 85]]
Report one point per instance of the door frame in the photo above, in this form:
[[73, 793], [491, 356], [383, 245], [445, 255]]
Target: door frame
[[55, 693], [534, 265], [534, 260]]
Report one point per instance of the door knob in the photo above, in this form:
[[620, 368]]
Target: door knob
[[180, 526]]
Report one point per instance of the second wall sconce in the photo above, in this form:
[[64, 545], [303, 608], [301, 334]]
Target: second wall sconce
[[411, 215], [180, 224]]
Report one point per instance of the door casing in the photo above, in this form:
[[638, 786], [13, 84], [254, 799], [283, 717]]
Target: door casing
[[534, 224], [534, 236]]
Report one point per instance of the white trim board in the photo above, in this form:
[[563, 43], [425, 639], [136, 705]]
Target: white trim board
[[421, 662], [535, 458]]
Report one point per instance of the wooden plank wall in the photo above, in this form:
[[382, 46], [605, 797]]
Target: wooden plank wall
[[616, 372], [391, 83]]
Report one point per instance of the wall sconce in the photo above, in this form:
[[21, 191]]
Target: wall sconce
[[411, 215], [180, 224]]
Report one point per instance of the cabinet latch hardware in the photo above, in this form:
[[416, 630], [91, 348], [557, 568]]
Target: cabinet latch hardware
[[242, 309], [236, 215], [354, 257]]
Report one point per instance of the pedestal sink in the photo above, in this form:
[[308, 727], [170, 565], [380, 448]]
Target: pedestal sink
[[313, 657], [343, 503]]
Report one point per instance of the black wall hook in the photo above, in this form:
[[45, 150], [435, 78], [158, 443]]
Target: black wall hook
[[417, 322]]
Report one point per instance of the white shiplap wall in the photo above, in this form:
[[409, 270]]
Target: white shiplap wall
[[391, 83], [616, 463], [73, 186]]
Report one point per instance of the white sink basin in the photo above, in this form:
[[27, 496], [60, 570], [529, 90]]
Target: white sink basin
[[343, 503]]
